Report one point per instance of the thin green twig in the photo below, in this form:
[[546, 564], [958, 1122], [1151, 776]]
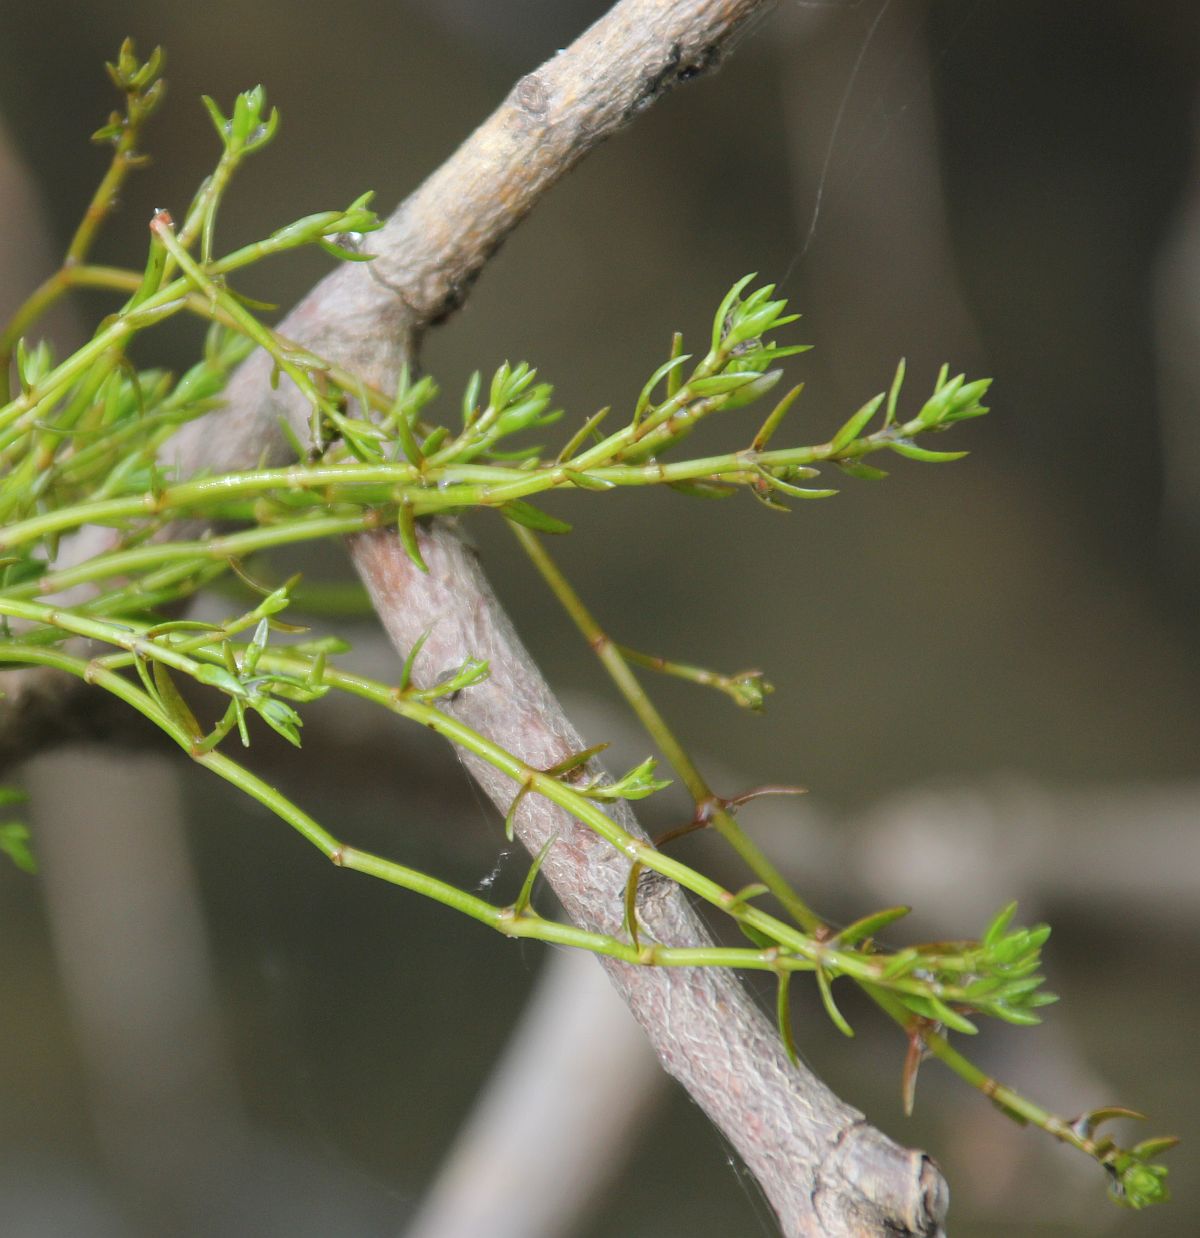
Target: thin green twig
[[708, 805]]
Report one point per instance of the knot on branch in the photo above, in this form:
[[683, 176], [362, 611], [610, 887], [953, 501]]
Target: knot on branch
[[530, 98], [676, 67], [866, 1184]]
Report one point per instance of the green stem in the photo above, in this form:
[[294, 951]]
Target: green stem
[[44, 297], [732, 685], [500, 918], [178, 294], [246, 321], [131, 638], [1005, 1097], [34, 306], [656, 727], [230, 546], [427, 491], [125, 158], [793, 950], [18, 414]]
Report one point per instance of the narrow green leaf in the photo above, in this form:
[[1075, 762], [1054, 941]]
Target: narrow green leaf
[[574, 761], [532, 517], [471, 672], [746, 893], [291, 438], [856, 468], [966, 402], [934, 410], [951, 1018], [901, 963], [722, 384], [999, 926], [869, 926], [637, 784], [526, 893], [1012, 1014], [470, 400], [1044, 998], [703, 489], [856, 424], [757, 936], [510, 817], [797, 492], [1009, 951], [1087, 1123], [532, 452], [321, 645], [674, 378], [407, 439], [1150, 1148], [181, 625], [773, 352], [587, 481], [630, 904], [406, 527], [727, 303], [776, 415], [826, 989], [143, 674], [342, 253], [576, 441], [763, 496], [783, 1016], [219, 677], [911, 451], [410, 660], [219, 122], [766, 381], [174, 704], [434, 439], [1012, 990], [281, 718], [894, 394], [667, 367]]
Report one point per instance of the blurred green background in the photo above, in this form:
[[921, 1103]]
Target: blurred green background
[[986, 673]]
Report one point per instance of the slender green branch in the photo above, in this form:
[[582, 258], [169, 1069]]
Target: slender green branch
[[429, 492], [791, 949], [143, 89], [501, 918], [104, 673], [656, 727], [744, 688], [189, 554]]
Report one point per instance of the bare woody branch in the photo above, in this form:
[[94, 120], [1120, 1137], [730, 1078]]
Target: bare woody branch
[[825, 1170]]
